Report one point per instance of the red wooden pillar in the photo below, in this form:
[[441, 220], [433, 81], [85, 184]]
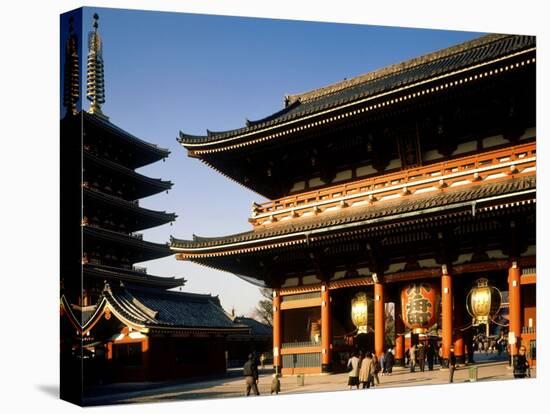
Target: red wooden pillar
[[514, 297], [277, 330], [458, 343], [446, 316], [399, 334], [379, 328], [326, 330]]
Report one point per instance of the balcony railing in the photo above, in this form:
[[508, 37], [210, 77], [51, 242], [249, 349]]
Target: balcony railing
[[303, 344], [488, 166], [312, 295]]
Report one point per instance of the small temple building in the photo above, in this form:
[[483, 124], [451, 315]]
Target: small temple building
[[118, 322], [413, 185]]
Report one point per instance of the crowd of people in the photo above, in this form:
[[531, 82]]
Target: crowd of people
[[364, 368]]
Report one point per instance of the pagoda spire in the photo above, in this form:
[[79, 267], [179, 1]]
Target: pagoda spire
[[71, 80], [95, 86]]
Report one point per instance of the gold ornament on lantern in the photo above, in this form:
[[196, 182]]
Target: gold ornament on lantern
[[360, 312], [483, 303]]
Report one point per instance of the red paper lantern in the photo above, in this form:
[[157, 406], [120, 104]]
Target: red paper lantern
[[420, 306]]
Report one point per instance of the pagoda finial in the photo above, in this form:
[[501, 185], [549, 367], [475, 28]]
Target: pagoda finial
[[71, 80], [95, 88]]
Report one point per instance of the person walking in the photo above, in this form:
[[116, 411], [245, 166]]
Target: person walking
[[389, 360], [376, 364], [250, 372], [353, 370], [421, 357], [366, 371], [383, 363], [262, 360], [430, 355], [452, 364], [521, 366], [412, 357]]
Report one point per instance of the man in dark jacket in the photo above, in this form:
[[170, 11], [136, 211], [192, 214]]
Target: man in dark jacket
[[430, 354], [250, 372], [389, 360], [452, 364], [421, 357]]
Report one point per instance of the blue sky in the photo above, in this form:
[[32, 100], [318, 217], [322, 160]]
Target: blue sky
[[166, 72]]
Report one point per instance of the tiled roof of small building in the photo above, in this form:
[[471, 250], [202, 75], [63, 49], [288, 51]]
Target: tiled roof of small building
[[256, 328], [158, 308], [469, 54]]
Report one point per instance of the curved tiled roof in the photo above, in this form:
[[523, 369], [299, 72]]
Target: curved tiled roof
[[149, 249], [157, 308], [118, 203], [131, 276], [154, 185], [469, 54], [380, 211], [152, 149]]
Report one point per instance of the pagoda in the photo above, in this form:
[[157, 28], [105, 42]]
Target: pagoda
[[111, 189], [120, 323], [413, 185]]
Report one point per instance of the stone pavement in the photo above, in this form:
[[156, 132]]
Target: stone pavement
[[234, 387]]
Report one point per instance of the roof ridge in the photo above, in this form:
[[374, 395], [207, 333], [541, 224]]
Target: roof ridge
[[395, 68]]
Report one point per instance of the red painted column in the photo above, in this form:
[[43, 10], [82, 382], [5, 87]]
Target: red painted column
[[277, 331], [514, 298], [379, 329], [326, 330], [399, 333], [446, 316], [458, 343]]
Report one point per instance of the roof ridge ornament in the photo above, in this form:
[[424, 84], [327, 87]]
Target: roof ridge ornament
[[71, 78], [95, 85]]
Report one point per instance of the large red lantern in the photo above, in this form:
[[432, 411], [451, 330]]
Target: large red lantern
[[420, 306]]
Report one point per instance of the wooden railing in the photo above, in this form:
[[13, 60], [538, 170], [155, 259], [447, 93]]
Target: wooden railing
[[303, 344], [492, 165]]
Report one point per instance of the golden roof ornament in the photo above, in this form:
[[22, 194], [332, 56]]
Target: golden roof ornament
[[71, 79], [95, 85]]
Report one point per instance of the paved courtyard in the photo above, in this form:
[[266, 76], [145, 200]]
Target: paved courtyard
[[234, 386]]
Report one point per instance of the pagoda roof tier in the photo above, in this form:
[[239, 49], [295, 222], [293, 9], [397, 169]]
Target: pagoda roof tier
[[154, 310], [395, 78], [140, 278], [133, 245], [144, 218], [231, 253], [144, 186], [143, 152]]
